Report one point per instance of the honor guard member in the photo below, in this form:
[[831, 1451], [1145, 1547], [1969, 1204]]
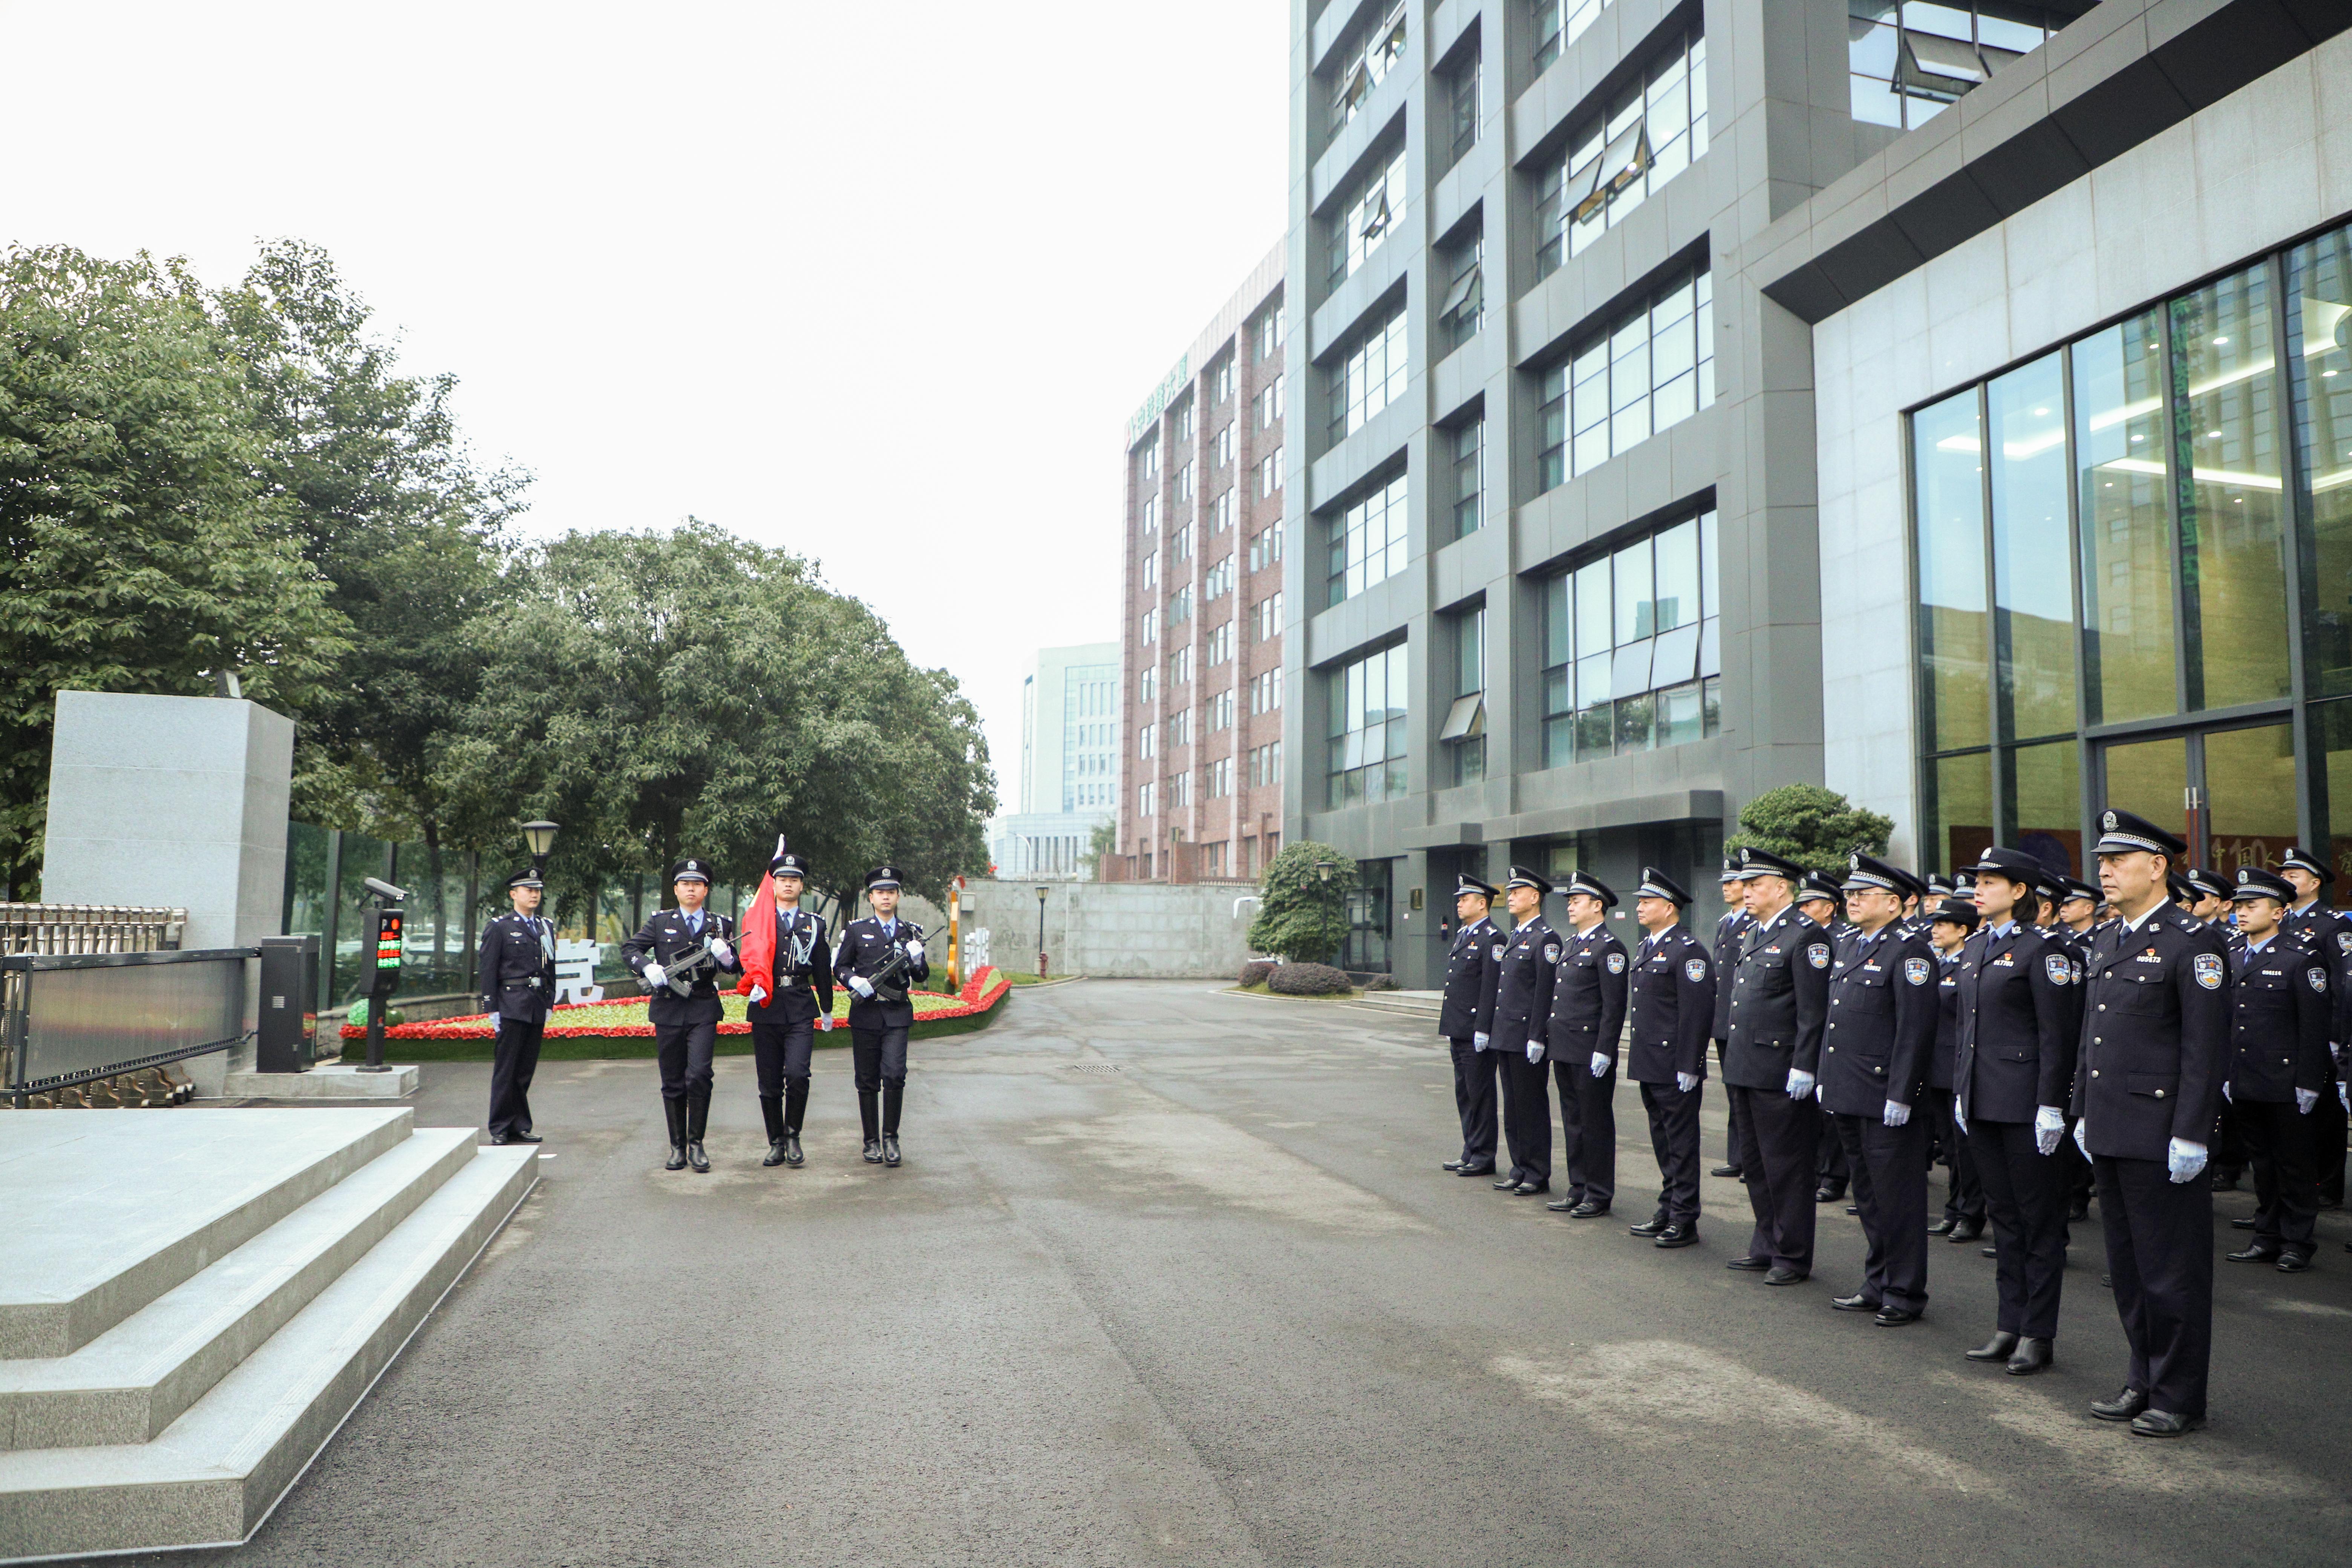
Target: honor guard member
[[785, 1025], [880, 957], [2329, 930], [1671, 1007], [2156, 1042], [1874, 1063], [1730, 931], [1468, 962], [1588, 1017], [1820, 900], [686, 1029], [1519, 1014], [2281, 1012], [1780, 997], [518, 985], [2019, 1023], [1963, 1206]]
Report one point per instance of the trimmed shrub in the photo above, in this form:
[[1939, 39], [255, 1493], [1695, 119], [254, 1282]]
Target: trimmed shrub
[[1308, 980], [1380, 983], [1254, 972]]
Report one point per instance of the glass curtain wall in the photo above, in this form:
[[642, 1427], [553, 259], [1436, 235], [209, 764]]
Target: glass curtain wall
[[1364, 759], [1632, 647]]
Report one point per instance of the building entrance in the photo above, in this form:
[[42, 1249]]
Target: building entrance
[[2228, 793]]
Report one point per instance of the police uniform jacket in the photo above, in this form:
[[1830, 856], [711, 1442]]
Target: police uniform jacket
[[2156, 1033], [1948, 1022], [803, 988], [1466, 964], [518, 967], [1670, 1001], [2279, 1018], [1729, 932], [1588, 996], [2019, 1023], [666, 938], [1779, 1000], [866, 948], [1882, 1025], [1519, 987], [2330, 932]]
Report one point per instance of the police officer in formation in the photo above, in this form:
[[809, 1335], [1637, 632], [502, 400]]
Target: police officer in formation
[[784, 1022], [686, 1029], [1469, 959], [880, 957], [2277, 1067], [1670, 1011], [1949, 925], [1874, 1063], [1518, 1016], [1730, 931], [517, 982], [1821, 900], [1779, 1005], [1588, 1017], [2329, 930]]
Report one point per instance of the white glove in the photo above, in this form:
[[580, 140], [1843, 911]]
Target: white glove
[[863, 986], [1801, 1084], [2344, 1093], [1685, 1081], [1897, 1114], [2049, 1126], [2185, 1159], [1601, 1062], [2082, 1136], [914, 952], [1959, 1119], [721, 950], [1535, 1052], [825, 1022], [2304, 1098], [758, 995], [654, 974], [1477, 1042], [2233, 1099]]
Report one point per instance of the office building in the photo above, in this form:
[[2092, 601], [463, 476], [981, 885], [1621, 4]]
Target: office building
[[1067, 768]]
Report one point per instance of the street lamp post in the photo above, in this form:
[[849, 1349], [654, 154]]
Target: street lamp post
[[1041, 931]]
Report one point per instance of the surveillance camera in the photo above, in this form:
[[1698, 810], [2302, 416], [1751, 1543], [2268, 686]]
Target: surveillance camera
[[386, 890]]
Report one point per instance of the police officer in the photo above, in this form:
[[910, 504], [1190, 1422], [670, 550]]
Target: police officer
[[1467, 965], [1875, 1054], [2078, 911], [1730, 931], [784, 1022], [2016, 1060], [2154, 1050], [1821, 900], [2329, 930], [517, 982], [1780, 996], [880, 957], [1587, 1016], [2277, 1067], [1671, 1006], [1949, 926], [1519, 1013], [686, 1029]]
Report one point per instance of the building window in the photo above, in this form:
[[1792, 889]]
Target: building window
[[1221, 515], [1144, 796], [1461, 88], [1221, 710], [1371, 378], [1655, 129], [1220, 644], [1559, 23], [1632, 647], [1462, 309], [1907, 64], [1150, 627], [1265, 691], [1265, 764], [1269, 473], [1268, 612], [1180, 790], [1184, 421], [1147, 685], [1180, 606], [1150, 458], [1180, 544], [1652, 370], [1368, 542], [1269, 405], [1372, 212], [1364, 757], [1468, 444], [1222, 448], [1219, 580], [1221, 381], [1221, 782], [1265, 549], [1150, 514], [1364, 63], [1184, 482], [1179, 729], [1143, 743], [1152, 569], [1270, 332], [1180, 667], [1463, 736]]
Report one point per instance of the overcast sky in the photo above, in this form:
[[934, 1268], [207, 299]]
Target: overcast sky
[[878, 283]]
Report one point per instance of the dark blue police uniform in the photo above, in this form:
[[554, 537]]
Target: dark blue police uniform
[[1670, 1010], [1588, 1017], [1467, 963]]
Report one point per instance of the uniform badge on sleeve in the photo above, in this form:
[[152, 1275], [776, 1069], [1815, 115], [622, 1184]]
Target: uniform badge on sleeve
[[1551, 953], [2318, 978], [1616, 964], [2344, 942], [2054, 966], [1695, 968], [1497, 954], [2206, 967], [1818, 954], [1915, 970]]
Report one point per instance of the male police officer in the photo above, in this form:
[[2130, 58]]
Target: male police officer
[[1588, 1015], [1820, 900], [686, 1029], [1730, 931], [2156, 1033], [1671, 1007], [880, 957], [784, 1026], [1949, 927], [518, 984], [1875, 1051], [2277, 1067], [2331, 930], [1519, 1012], [1778, 1001], [1467, 965]]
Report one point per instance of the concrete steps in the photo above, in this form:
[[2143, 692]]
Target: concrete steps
[[184, 1422], [1409, 1003]]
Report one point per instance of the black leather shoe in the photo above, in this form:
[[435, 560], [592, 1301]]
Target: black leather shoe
[[524, 1138], [1588, 1210], [2246, 1224], [696, 1158], [1647, 1227], [775, 1153], [501, 1141], [2124, 1406], [1781, 1274], [1677, 1236], [2164, 1424], [1530, 1189], [1507, 1184], [874, 1150], [2032, 1356], [1966, 1230], [1853, 1208], [2293, 1263], [1943, 1226], [890, 1148], [676, 1158], [1857, 1303], [1990, 1251], [1453, 1164], [1564, 1206], [1475, 1171], [1749, 1265], [2000, 1347], [1731, 1171], [2077, 1211], [792, 1155], [2257, 1253], [1896, 1317], [1827, 1195], [2224, 1183]]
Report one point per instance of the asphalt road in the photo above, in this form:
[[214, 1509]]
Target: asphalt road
[[1170, 1275]]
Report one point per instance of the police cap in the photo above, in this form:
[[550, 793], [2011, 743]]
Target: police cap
[[882, 877], [1656, 884], [1755, 862], [691, 870], [526, 877], [1521, 877], [2121, 833], [2254, 882], [1586, 882], [2305, 860]]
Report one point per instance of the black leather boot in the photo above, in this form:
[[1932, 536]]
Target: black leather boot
[[675, 1111], [792, 1155], [868, 1114], [894, 1095], [697, 1118], [795, 1103], [772, 1111]]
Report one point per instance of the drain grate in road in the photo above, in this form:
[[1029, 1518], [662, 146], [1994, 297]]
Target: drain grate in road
[[1091, 1067]]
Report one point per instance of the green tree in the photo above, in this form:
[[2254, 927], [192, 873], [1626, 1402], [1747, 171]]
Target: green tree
[[143, 548], [1816, 827], [1301, 915], [1103, 841]]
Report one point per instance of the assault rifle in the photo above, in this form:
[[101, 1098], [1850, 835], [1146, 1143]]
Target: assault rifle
[[681, 973], [885, 979]]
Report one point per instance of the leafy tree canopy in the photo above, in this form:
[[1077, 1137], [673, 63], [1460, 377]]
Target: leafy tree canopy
[[1816, 827], [1300, 915]]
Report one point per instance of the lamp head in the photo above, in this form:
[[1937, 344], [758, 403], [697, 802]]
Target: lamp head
[[541, 836]]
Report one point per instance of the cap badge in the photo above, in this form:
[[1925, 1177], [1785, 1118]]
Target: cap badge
[[2108, 822]]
